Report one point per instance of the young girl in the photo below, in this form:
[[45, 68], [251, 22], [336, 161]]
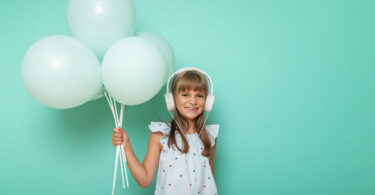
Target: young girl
[[185, 156]]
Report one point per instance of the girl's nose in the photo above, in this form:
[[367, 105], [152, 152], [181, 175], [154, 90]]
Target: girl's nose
[[193, 101]]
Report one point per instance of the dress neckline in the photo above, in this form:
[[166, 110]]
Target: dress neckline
[[191, 134]]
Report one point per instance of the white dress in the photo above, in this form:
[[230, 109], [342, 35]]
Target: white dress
[[184, 174]]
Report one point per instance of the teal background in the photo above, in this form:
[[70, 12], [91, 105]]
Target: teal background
[[294, 86]]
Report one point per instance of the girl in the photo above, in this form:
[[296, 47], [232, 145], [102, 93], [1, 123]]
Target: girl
[[185, 156]]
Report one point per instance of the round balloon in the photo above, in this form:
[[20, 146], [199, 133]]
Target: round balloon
[[133, 70], [98, 95], [61, 72], [100, 23], [164, 47]]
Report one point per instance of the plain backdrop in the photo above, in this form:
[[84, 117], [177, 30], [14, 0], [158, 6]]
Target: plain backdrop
[[294, 86]]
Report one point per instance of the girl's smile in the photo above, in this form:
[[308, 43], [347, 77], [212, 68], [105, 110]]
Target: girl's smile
[[192, 109], [190, 103]]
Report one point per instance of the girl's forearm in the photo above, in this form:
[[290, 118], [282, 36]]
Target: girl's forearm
[[212, 170], [136, 168]]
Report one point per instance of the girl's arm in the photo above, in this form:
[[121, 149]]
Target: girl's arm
[[144, 172], [212, 158]]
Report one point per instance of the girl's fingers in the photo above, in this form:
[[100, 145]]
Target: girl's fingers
[[118, 130], [116, 142], [117, 135], [117, 139]]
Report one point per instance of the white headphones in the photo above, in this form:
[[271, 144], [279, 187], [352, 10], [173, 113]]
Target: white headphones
[[210, 97]]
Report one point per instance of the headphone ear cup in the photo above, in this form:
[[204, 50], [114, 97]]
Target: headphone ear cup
[[169, 101], [209, 102]]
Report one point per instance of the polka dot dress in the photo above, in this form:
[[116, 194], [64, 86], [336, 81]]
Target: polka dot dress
[[184, 174]]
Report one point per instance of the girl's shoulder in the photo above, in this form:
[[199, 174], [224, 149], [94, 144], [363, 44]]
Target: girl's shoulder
[[213, 132], [162, 127]]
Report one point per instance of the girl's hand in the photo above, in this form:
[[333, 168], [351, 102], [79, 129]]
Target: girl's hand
[[119, 137]]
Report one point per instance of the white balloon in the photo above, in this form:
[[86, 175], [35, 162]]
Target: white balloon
[[164, 47], [61, 72], [100, 23], [98, 95], [133, 70]]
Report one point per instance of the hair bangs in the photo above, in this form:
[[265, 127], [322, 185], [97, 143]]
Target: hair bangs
[[192, 80]]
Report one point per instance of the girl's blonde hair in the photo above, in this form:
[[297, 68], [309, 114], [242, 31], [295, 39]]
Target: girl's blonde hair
[[184, 81]]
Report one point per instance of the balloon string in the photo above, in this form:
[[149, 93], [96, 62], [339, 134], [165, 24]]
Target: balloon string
[[122, 145], [121, 114], [121, 157], [126, 173], [119, 150], [114, 175], [114, 103], [111, 106], [122, 169], [114, 112], [122, 152]]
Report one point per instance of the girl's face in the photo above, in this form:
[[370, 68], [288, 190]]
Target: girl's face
[[190, 103]]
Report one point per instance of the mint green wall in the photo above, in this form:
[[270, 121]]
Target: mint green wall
[[294, 85]]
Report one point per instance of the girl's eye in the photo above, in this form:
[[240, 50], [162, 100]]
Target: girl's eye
[[184, 94], [200, 96]]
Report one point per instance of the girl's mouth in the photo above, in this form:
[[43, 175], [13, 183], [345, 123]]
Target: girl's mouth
[[191, 109]]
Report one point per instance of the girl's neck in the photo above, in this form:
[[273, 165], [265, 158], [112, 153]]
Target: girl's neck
[[191, 128]]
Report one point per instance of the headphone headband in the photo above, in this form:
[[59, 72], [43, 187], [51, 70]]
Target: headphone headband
[[191, 68]]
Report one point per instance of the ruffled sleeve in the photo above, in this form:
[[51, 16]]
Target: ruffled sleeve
[[159, 127], [213, 132]]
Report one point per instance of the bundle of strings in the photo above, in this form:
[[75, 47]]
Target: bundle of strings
[[119, 149]]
